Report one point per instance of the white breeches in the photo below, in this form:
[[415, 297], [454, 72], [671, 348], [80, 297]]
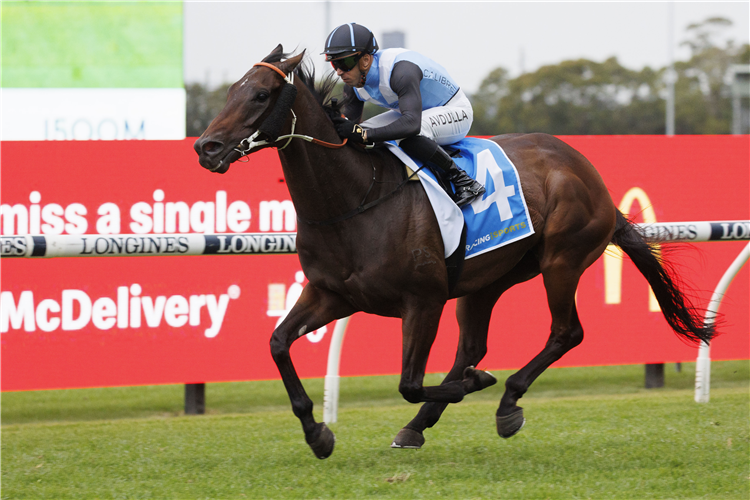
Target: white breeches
[[445, 124]]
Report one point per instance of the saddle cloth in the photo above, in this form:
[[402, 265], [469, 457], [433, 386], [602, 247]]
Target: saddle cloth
[[499, 217]]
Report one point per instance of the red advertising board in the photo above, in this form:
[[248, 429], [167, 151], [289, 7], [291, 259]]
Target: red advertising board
[[80, 322]]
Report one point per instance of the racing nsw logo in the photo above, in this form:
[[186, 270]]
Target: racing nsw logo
[[281, 300], [496, 234]]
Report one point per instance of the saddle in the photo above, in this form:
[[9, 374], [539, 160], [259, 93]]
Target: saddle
[[497, 218]]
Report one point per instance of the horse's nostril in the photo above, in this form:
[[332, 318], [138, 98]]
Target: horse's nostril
[[208, 147]]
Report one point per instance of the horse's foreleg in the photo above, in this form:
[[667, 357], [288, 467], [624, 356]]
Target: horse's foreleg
[[420, 326], [473, 313], [419, 329], [314, 309]]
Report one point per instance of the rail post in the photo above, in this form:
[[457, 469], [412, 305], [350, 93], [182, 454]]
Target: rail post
[[331, 390], [195, 399], [703, 363]]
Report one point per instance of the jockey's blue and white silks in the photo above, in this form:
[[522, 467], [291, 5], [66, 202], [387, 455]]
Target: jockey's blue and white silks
[[437, 87], [444, 124], [497, 218]]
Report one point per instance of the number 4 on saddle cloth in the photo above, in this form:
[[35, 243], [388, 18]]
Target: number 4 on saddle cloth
[[495, 219]]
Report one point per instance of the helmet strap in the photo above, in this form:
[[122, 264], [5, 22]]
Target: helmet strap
[[362, 73]]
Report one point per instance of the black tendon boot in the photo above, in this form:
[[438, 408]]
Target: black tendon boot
[[428, 152]]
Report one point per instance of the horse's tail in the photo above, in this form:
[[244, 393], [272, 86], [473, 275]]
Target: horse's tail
[[685, 319]]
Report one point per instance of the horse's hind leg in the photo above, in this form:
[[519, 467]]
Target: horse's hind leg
[[313, 309], [561, 268], [473, 313], [566, 333]]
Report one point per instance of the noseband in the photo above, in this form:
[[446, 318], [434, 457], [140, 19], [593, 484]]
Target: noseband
[[272, 125]]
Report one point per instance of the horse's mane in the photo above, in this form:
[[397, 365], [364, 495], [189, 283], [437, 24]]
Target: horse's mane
[[322, 91]]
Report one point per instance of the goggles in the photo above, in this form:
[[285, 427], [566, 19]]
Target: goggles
[[346, 63]]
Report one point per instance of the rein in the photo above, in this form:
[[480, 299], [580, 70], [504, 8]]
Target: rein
[[246, 145]]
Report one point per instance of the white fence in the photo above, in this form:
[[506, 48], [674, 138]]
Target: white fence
[[133, 245]]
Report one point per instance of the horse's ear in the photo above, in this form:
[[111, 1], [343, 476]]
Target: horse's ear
[[290, 64], [275, 55]]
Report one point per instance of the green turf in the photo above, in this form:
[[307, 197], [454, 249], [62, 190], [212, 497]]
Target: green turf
[[591, 433], [250, 397]]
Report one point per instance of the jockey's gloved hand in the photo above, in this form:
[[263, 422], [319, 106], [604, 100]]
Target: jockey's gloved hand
[[347, 129]]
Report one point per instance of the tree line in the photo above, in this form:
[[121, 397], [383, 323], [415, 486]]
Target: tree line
[[584, 97]]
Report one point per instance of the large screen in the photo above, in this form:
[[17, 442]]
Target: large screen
[[92, 70]]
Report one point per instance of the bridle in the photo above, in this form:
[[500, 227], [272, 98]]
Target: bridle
[[246, 146]]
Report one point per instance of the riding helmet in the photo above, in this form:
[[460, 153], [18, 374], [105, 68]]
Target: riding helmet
[[351, 37]]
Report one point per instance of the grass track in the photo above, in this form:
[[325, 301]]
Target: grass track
[[583, 440]]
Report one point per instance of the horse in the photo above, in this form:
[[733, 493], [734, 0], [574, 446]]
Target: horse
[[368, 241]]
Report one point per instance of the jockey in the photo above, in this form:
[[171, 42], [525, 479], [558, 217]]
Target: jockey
[[427, 109]]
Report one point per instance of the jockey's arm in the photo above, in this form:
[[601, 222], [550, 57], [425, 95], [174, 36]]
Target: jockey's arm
[[404, 81]]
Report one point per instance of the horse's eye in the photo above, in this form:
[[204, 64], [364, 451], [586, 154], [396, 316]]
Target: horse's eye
[[261, 97]]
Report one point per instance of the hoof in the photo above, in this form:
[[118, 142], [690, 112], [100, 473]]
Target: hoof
[[322, 444], [409, 439], [476, 380], [509, 425]]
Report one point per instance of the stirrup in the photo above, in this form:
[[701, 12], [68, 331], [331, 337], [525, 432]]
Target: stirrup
[[467, 194]]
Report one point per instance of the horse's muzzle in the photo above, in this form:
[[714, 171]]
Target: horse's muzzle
[[212, 155]]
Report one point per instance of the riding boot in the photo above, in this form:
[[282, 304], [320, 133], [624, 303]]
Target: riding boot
[[442, 165], [467, 189]]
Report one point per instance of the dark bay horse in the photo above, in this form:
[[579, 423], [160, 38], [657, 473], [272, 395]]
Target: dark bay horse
[[387, 259]]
